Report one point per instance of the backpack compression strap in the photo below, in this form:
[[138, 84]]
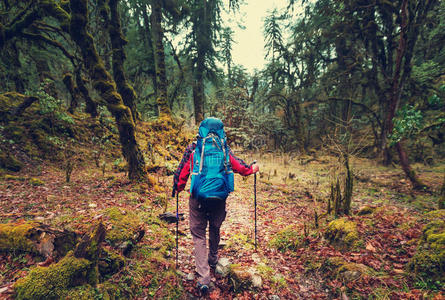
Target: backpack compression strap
[[201, 163]]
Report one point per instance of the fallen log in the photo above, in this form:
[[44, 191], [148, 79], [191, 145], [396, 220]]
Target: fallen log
[[36, 238]]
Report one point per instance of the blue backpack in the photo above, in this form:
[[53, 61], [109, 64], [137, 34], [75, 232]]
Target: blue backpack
[[212, 176]]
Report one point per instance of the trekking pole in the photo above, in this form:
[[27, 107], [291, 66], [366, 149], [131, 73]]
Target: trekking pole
[[177, 227], [254, 191]]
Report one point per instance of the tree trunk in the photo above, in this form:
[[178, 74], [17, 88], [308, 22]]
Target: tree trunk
[[106, 87], [198, 99], [74, 92], [397, 86], [118, 42], [150, 49], [198, 89], [91, 105], [159, 55]]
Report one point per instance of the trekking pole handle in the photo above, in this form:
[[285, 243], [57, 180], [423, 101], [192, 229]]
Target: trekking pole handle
[[254, 162]]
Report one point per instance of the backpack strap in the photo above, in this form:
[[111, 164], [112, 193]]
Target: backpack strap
[[201, 163], [191, 163]]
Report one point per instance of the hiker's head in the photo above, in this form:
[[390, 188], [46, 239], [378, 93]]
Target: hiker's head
[[211, 125]]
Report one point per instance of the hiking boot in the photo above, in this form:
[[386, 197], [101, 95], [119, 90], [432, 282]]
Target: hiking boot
[[203, 288], [212, 266]]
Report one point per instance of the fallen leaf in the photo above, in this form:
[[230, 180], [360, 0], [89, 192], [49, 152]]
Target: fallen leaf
[[370, 247]]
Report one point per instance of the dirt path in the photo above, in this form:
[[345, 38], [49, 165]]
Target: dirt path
[[282, 274]]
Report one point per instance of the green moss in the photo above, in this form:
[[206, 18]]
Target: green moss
[[36, 181], [15, 132], [344, 270], [435, 214], [110, 262], [286, 239], [239, 241], [83, 292], [9, 162], [16, 237], [13, 177], [51, 282], [124, 224], [342, 233], [429, 261]]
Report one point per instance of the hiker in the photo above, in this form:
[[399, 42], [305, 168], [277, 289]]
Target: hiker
[[211, 163]]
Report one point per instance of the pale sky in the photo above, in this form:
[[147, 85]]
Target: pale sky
[[248, 49]]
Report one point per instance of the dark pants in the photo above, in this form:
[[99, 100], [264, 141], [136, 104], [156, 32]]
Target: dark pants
[[199, 218]]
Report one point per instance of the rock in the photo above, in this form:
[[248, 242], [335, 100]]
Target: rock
[[365, 210], [190, 277], [240, 278], [224, 262], [257, 281], [222, 267], [170, 217], [274, 297], [342, 233], [344, 270], [36, 181], [256, 258]]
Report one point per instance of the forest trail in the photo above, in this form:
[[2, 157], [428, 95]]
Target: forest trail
[[287, 201], [281, 202], [285, 277], [294, 258]]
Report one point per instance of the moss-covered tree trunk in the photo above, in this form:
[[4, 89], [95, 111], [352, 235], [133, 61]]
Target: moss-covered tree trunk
[[159, 55], [105, 85], [91, 105], [74, 91], [118, 42]]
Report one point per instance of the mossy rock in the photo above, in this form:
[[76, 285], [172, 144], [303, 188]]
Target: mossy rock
[[429, 261], [36, 181], [365, 210], [124, 224], [346, 271], [342, 233], [240, 278], [9, 162], [14, 177], [53, 281], [17, 237], [287, 239], [110, 262]]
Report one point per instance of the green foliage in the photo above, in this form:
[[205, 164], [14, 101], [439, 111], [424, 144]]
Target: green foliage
[[287, 239], [407, 123], [48, 105]]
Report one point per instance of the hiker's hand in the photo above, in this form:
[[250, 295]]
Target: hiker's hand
[[255, 168]]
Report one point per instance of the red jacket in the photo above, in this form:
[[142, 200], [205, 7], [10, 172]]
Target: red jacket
[[238, 166]]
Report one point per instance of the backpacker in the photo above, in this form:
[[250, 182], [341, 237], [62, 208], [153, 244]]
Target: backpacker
[[212, 175]]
